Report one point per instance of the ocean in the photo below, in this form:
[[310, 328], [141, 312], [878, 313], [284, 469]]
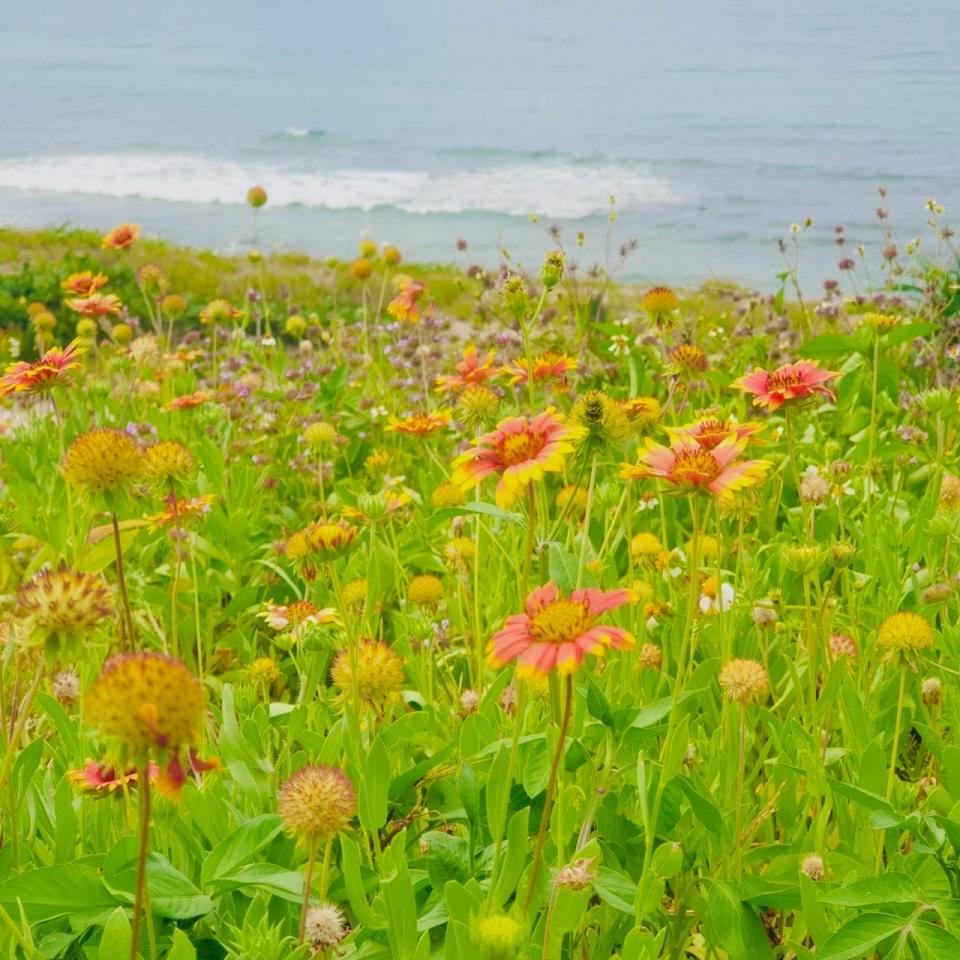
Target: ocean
[[714, 124]]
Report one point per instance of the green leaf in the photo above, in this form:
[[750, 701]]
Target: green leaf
[[732, 926], [934, 942], [182, 948], [704, 809], [859, 936], [616, 889], [172, 895], [236, 849], [448, 859], [117, 936], [888, 888], [485, 509], [46, 893], [831, 345], [497, 794], [375, 787]]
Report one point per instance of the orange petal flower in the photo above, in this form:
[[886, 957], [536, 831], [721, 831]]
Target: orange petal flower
[[710, 432], [470, 370], [120, 237], [421, 424], [83, 284], [548, 366], [189, 400], [406, 306], [792, 381], [690, 467], [557, 632], [95, 305], [521, 450], [183, 511], [44, 374]]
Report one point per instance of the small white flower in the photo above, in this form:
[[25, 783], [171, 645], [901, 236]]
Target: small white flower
[[723, 602], [620, 345], [648, 503]]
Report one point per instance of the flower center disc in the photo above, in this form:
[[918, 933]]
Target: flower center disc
[[520, 447], [561, 622], [697, 467]]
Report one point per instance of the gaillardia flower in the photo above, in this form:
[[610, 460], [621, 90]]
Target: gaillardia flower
[[150, 705], [168, 461], [904, 632], [709, 432], [659, 300], [84, 283], [407, 305], [63, 602], [690, 467], [521, 450], [52, 370], [790, 382], [421, 424], [297, 614], [317, 802], [120, 237], [471, 370], [95, 305], [744, 681], [556, 632], [547, 367], [103, 460], [379, 673]]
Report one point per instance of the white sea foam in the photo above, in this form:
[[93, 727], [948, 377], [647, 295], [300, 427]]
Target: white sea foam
[[552, 189]]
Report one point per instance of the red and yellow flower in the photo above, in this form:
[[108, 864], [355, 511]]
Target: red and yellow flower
[[120, 237], [471, 370], [182, 511], [189, 400], [51, 371], [95, 305], [408, 306], [556, 632], [792, 381], [297, 614], [421, 424], [84, 283], [551, 367], [709, 432], [521, 450], [691, 467]]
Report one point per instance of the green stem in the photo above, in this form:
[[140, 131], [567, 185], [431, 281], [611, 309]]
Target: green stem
[[307, 884], [140, 890], [551, 794]]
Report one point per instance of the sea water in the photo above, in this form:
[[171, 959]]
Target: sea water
[[714, 124]]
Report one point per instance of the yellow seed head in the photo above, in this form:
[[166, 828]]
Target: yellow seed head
[[317, 802]]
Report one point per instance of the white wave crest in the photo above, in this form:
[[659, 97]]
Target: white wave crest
[[550, 189]]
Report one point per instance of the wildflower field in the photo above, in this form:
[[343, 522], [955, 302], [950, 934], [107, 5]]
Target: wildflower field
[[367, 610]]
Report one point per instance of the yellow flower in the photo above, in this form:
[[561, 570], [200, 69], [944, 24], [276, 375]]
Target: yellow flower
[[905, 631], [447, 495], [355, 593], [317, 802], [256, 197], [149, 704], [379, 674], [425, 590], [264, 670], [603, 419], [880, 322], [361, 269], [295, 326], [645, 546], [460, 550], [64, 601], [659, 300], [318, 434], [744, 681], [103, 461], [650, 657], [168, 461], [497, 937], [949, 493], [122, 332], [330, 539], [391, 256]]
